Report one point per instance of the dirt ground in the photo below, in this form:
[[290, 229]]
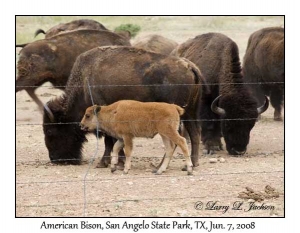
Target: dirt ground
[[43, 189]]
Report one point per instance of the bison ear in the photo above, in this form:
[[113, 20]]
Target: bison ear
[[98, 108]]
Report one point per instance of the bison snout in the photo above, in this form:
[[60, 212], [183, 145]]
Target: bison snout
[[82, 127]]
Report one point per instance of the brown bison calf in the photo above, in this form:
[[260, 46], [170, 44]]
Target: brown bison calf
[[127, 119]]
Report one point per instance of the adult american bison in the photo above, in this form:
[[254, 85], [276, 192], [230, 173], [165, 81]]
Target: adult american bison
[[73, 25], [156, 43], [109, 74], [264, 63], [51, 60], [230, 101]]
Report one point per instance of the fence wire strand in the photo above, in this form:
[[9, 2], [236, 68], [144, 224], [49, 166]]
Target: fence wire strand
[[197, 120], [93, 157], [156, 85], [151, 177]]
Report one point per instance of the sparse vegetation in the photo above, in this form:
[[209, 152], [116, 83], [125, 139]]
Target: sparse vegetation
[[132, 28]]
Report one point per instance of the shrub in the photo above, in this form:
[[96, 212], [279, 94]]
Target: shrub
[[132, 28]]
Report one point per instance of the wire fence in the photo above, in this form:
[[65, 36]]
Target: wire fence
[[85, 180], [156, 85]]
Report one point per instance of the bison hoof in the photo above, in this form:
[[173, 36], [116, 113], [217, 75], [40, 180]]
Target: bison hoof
[[154, 170], [208, 152], [120, 167], [195, 164], [278, 119], [190, 173], [102, 164], [113, 169]]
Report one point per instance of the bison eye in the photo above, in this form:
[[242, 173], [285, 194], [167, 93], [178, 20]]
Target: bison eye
[[49, 132]]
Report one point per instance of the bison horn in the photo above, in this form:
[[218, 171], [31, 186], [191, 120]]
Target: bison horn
[[264, 107], [49, 113], [216, 109], [38, 32]]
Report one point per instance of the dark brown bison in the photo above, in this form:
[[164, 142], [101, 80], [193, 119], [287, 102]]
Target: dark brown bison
[[51, 60], [156, 43], [80, 24], [116, 73], [217, 57], [263, 63], [71, 26]]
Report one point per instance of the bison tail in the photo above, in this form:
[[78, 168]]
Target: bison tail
[[38, 32], [199, 78]]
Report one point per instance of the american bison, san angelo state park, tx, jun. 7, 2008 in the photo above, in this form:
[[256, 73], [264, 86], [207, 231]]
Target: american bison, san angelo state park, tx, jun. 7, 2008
[[230, 100], [127, 119], [264, 64], [109, 74], [51, 60]]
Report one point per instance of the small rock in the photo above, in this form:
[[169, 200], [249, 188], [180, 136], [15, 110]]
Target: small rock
[[182, 213], [249, 189], [130, 183], [251, 200], [213, 160], [222, 160], [247, 160]]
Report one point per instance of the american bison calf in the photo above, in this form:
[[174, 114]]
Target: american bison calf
[[127, 119]]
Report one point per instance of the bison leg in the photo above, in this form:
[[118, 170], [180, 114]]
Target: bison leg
[[212, 144], [170, 147], [193, 131], [211, 137], [105, 160], [276, 98], [128, 149], [115, 155], [170, 139], [210, 127]]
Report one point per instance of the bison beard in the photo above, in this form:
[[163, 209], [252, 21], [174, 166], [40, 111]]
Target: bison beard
[[135, 77]]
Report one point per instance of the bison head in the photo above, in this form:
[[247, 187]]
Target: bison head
[[35, 65], [63, 137], [89, 121], [238, 114]]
